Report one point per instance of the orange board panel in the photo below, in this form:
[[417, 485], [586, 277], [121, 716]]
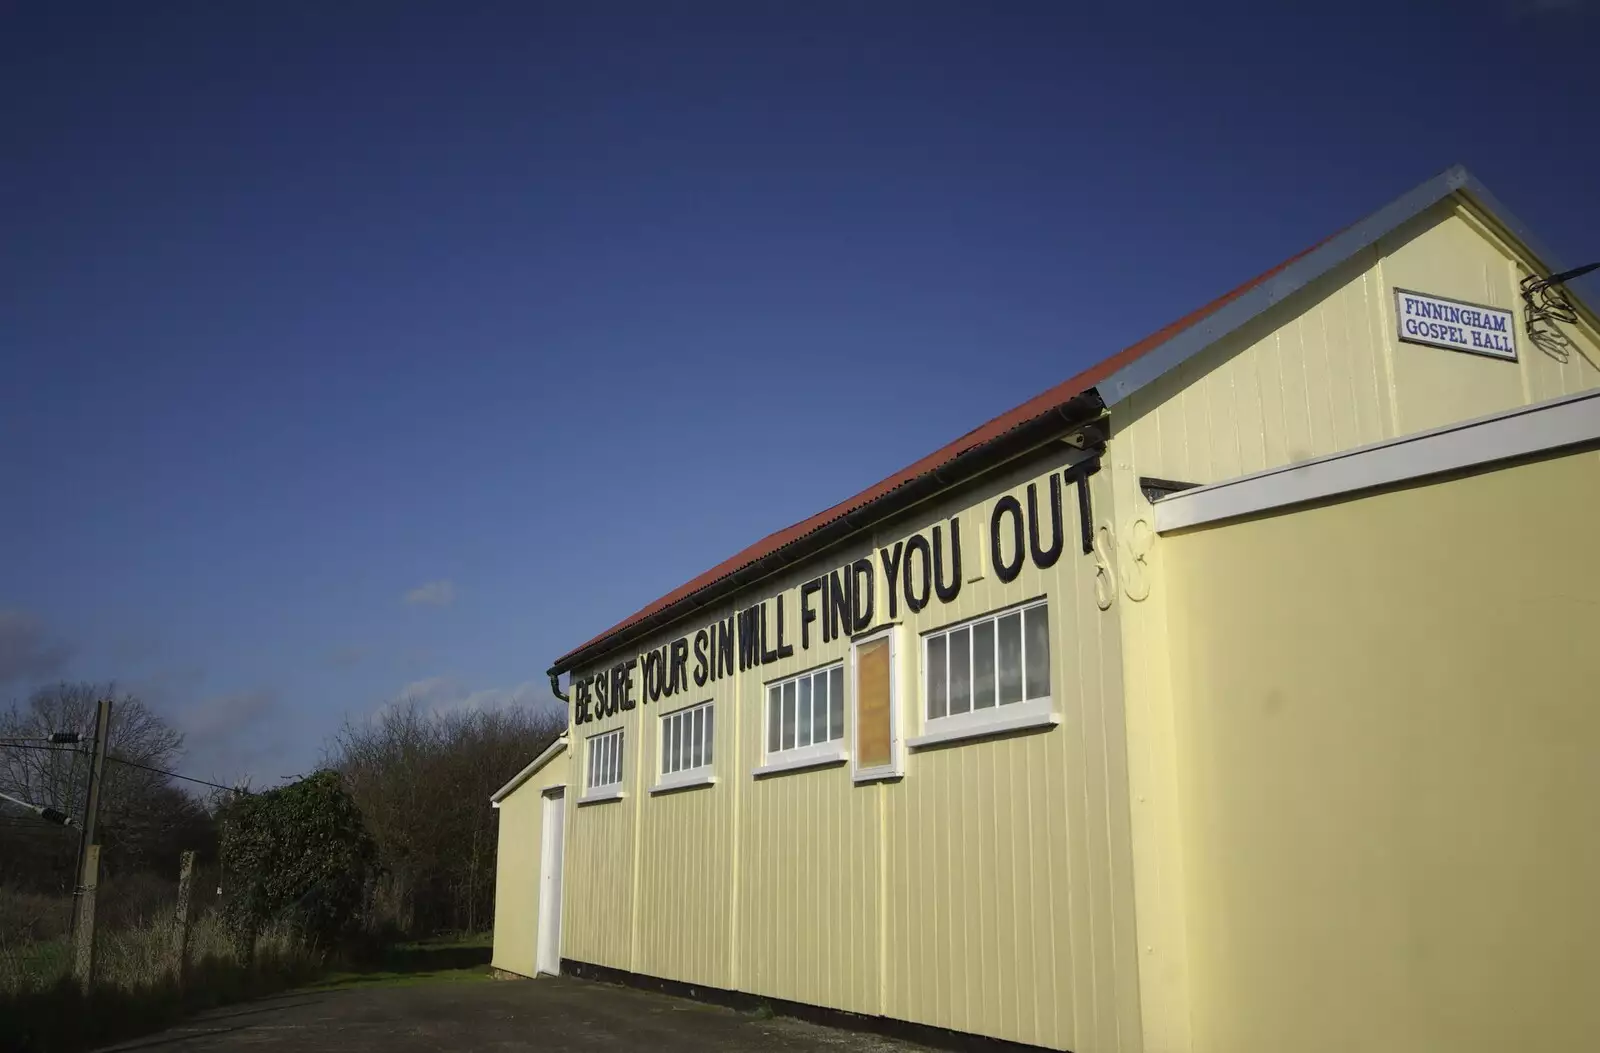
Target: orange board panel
[[872, 704]]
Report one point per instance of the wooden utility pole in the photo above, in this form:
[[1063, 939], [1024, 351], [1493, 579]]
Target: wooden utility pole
[[89, 849], [97, 772], [83, 961], [180, 933]]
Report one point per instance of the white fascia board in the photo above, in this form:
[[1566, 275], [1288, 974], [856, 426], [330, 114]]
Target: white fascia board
[[1572, 420], [527, 773]]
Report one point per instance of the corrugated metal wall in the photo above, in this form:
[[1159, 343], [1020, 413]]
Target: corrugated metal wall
[[996, 887], [1010, 906], [809, 904], [988, 890], [1321, 372], [597, 894], [518, 861], [1388, 769], [686, 858]]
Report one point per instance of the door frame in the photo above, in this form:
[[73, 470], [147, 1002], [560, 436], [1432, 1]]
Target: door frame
[[552, 845]]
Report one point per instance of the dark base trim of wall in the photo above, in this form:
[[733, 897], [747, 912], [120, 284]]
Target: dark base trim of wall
[[926, 1034]]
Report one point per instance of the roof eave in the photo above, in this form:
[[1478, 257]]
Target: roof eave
[[1544, 259], [1317, 263], [1313, 265], [530, 771], [1075, 413]]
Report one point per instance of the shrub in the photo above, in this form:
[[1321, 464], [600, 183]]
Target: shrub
[[299, 853]]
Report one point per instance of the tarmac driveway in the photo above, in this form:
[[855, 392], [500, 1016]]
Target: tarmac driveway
[[547, 1014]]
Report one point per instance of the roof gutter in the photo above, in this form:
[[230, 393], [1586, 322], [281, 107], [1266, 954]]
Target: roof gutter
[[1076, 412]]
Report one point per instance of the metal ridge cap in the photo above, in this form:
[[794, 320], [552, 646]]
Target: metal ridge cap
[[1321, 260]]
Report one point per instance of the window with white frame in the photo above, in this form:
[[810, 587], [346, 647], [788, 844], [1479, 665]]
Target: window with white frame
[[603, 772], [686, 738], [805, 715], [987, 670]]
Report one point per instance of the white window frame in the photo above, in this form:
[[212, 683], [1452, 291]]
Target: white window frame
[[895, 768], [684, 778], [994, 720], [816, 755], [606, 791]]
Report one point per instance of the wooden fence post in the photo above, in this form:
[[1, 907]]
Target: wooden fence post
[[180, 931], [89, 881]]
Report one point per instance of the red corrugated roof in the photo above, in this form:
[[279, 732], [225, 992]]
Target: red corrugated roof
[[1035, 407]]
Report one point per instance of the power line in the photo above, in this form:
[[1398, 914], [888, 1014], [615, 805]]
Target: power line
[[129, 763], [175, 775]]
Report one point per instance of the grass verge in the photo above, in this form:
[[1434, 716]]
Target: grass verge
[[136, 990], [42, 1010], [445, 959]]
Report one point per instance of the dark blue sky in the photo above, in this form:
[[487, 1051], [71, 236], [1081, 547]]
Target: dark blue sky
[[530, 312]]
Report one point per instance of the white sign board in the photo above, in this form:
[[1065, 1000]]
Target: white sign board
[[1454, 324]]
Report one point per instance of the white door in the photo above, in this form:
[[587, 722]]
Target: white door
[[554, 832]]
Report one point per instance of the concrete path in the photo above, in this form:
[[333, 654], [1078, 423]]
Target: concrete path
[[546, 1015]]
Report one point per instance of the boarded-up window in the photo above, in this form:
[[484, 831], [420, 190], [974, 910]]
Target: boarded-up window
[[876, 743]]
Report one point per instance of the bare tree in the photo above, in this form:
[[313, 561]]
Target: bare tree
[[144, 819], [422, 781]]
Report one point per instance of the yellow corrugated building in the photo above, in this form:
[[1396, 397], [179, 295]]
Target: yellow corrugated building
[[1157, 714], [528, 870]]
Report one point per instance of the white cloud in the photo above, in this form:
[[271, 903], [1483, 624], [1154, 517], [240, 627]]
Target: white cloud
[[430, 691], [440, 694], [441, 593], [526, 693]]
